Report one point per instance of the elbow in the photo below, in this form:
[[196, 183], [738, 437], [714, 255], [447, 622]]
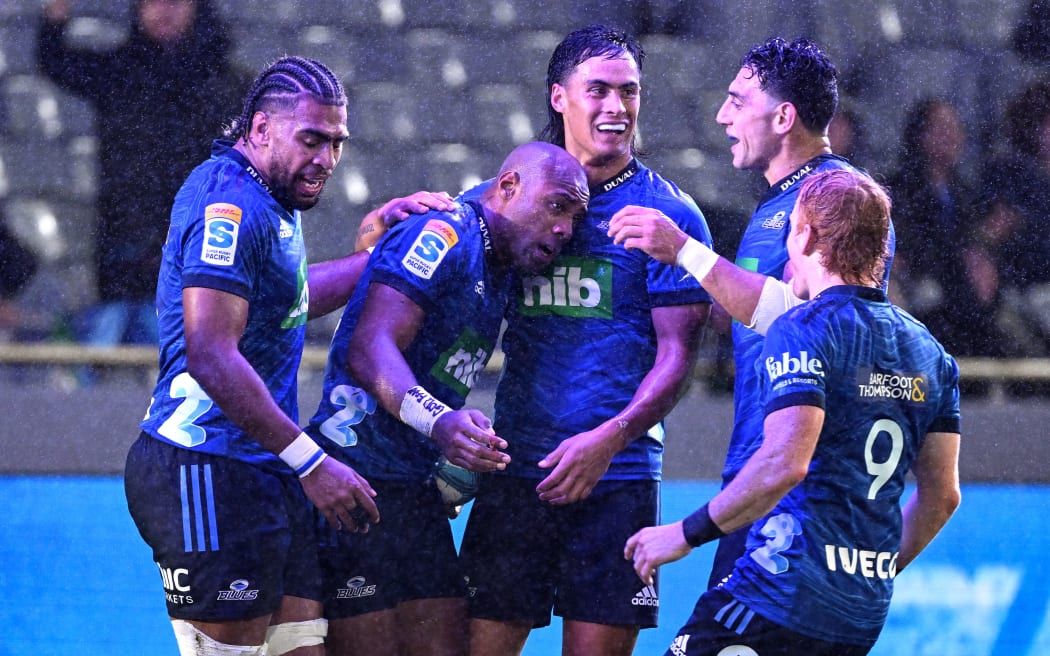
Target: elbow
[[204, 366], [951, 501]]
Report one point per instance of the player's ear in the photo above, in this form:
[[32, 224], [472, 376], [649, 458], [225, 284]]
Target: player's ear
[[508, 183], [260, 131], [558, 98], [784, 117]]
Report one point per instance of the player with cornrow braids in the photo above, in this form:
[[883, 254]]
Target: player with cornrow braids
[[222, 483]]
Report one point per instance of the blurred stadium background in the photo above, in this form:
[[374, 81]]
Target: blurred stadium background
[[440, 91]]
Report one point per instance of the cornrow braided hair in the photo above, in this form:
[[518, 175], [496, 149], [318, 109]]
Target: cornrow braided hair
[[279, 86]]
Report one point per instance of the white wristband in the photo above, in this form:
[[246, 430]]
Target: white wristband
[[420, 410], [303, 455], [697, 259]]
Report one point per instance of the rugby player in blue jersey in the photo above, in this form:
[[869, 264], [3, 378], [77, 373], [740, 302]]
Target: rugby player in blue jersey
[[417, 332], [221, 481], [598, 350], [855, 394], [776, 115]]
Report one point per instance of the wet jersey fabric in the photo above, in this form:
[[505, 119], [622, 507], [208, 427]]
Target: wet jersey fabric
[[763, 248], [228, 233], [580, 338], [443, 263], [822, 562]]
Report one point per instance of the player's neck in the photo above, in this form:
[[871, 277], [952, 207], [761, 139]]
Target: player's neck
[[793, 155], [600, 170]]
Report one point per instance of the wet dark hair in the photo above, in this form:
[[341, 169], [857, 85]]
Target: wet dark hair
[[595, 40], [279, 87], [799, 73]]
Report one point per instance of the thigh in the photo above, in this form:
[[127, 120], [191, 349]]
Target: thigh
[[221, 530], [597, 584], [409, 555], [510, 552]]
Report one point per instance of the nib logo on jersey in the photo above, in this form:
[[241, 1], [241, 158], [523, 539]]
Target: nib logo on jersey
[[646, 597], [460, 364], [355, 587], [238, 592], [575, 287]]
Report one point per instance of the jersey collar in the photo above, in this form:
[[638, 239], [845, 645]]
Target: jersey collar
[[620, 178], [483, 226], [800, 174]]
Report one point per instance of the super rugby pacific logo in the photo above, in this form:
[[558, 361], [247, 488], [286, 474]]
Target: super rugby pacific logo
[[222, 221], [430, 248]]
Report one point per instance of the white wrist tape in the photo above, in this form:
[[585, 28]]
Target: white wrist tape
[[303, 455], [420, 410], [697, 259], [776, 299]]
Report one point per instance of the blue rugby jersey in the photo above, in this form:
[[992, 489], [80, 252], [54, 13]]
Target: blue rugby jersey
[[822, 562], [442, 261], [580, 338], [763, 248], [228, 233]]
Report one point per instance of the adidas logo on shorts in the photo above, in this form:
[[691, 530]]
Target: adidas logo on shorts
[[679, 645], [646, 597]]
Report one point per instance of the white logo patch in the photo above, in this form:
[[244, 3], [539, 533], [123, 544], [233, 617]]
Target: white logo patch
[[222, 221], [430, 248]]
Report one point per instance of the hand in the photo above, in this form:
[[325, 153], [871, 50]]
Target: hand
[[421, 202], [467, 440], [342, 495], [649, 230], [579, 463], [378, 221], [653, 546]]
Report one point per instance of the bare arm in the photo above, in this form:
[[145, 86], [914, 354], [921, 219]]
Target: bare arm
[[936, 496], [781, 463], [214, 322], [737, 290], [332, 282], [580, 461], [388, 324]]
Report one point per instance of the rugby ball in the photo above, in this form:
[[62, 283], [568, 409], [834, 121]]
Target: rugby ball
[[456, 484]]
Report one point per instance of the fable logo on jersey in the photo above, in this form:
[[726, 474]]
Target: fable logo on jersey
[[898, 386], [790, 363], [222, 221], [430, 247], [574, 287]]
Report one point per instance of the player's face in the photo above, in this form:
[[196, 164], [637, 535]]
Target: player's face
[[542, 218], [748, 115], [305, 144], [599, 106]]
